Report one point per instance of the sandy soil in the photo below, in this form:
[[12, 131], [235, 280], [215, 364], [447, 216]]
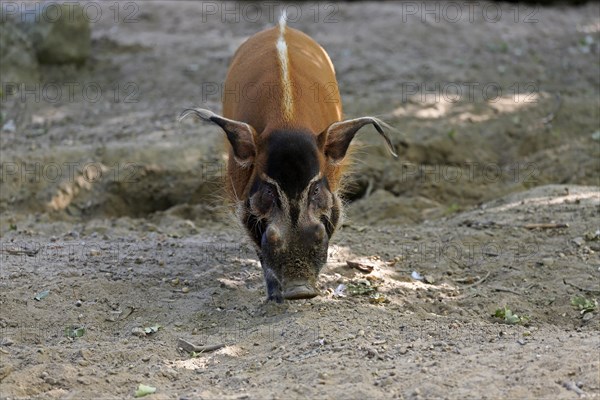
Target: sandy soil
[[116, 210]]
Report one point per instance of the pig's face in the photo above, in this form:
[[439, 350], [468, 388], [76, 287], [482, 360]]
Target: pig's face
[[290, 215], [286, 197]]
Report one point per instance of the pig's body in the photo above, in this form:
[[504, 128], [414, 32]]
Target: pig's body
[[258, 91], [287, 151]]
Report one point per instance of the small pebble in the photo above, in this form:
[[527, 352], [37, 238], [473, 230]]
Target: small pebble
[[137, 331], [83, 381], [85, 354], [371, 352], [548, 261], [385, 381], [50, 381], [9, 126]]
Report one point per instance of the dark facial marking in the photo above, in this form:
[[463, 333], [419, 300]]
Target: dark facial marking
[[331, 222], [265, 196], [255, 227], [294, 213], [292, 160], [319, 193]]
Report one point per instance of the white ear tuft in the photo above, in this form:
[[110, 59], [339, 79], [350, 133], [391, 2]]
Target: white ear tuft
[[200, 112], [240, 134], [337, 136]]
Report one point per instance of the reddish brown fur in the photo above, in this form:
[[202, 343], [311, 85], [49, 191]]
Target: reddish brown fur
[[254, 91]]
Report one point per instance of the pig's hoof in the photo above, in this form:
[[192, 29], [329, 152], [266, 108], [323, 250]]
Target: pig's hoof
[[300, 291]]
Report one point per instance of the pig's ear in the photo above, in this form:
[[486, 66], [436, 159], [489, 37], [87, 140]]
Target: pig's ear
[[335, 140], [240, 134]]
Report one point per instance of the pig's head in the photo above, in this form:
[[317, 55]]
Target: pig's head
[[290, 207]]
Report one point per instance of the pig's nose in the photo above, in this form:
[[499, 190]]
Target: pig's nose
[[299, 289]]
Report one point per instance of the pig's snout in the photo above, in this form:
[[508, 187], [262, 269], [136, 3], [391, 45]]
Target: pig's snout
[[299, 289]]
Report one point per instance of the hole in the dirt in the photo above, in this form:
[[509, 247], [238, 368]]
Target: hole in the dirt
[[153, 191]]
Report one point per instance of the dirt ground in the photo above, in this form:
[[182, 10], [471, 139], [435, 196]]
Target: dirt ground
[[115, 208]]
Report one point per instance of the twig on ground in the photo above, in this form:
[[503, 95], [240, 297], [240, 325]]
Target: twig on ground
[[545, 226], [15, 251], [464, 280], [479, 281], [192, 348], [503, 289], [581, 288], [131, 310], [573, 386]]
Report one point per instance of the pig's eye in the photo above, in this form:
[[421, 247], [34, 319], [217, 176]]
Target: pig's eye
[[268, 195], [266, 199], [317, 196]]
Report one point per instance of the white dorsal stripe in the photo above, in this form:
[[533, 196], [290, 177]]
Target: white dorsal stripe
[[282, 22], [282, 52]]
